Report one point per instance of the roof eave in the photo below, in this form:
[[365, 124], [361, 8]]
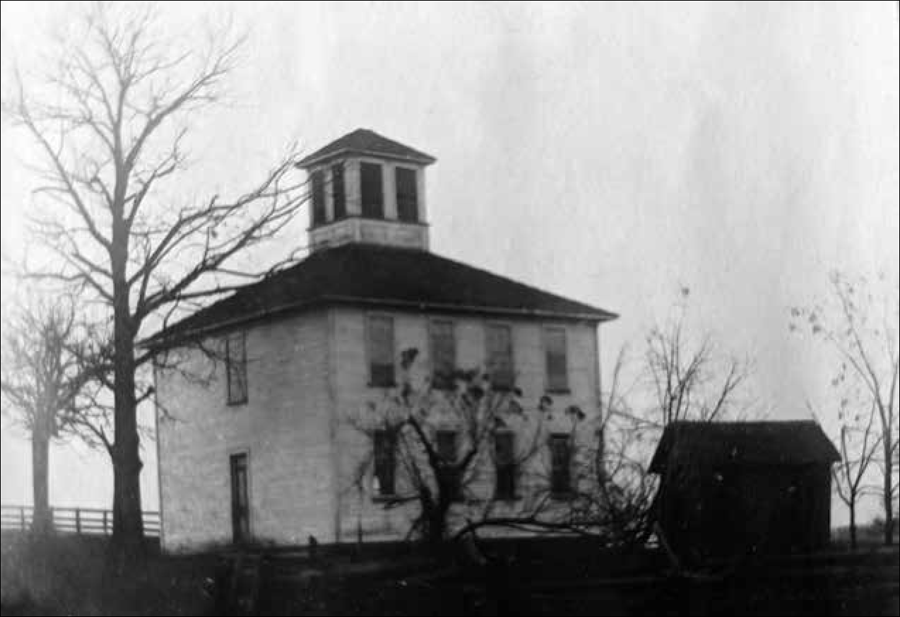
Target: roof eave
[[317, 159], [160, 342]]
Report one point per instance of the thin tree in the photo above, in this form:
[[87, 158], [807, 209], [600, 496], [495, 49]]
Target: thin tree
[[859, 321], [40, 385], [858, 446], [112, 123]]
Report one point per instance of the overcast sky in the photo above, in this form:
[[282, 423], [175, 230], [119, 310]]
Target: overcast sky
[[611, 153]]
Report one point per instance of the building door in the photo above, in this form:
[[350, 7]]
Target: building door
[[240, 502]]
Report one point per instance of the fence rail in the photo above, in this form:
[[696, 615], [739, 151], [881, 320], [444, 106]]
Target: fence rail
[[92, 521]]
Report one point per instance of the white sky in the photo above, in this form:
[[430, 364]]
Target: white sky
[[611, 153]]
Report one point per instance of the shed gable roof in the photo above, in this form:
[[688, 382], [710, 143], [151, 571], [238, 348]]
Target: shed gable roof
[[744, 443], [374, 275]]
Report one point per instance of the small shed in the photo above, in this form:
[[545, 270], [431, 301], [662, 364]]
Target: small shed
[[733, 488]]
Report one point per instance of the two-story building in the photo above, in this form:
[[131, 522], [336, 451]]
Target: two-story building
[[252, 442]]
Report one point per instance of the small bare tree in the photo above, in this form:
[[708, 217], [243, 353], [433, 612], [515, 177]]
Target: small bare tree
[[41, 384], [112, 123], [859, 321], [858, 445]]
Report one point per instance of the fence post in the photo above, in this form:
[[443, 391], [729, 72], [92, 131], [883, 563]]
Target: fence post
[[22, 517], [105, 532], [78, 521]]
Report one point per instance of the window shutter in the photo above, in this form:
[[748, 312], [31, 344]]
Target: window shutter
[[381, 351], [338, 194], [318, 197], [407, 196], [505, 463], [500, 361], [443, 354], [560, 457], [385, 461], [447, 451], [557, 360], [236, 368], [371, 190]]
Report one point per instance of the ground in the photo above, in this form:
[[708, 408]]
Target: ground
[[73, 575]]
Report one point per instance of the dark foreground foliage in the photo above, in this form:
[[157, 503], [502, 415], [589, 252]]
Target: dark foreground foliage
[[71, 575]]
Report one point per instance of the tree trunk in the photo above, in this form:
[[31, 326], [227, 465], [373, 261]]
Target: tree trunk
[[128, 524], [888, 502], [40, 470], [852, 506], [436, 519], [437, 523]]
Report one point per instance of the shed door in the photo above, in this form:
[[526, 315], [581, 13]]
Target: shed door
[[240, 502]]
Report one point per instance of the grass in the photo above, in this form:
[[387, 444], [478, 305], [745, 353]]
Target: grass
[[72, 575]]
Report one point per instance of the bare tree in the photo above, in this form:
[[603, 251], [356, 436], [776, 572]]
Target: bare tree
[[690, 381], [41, 383], [859, 321], [623, 497], [415, 419], [678, 378], [112, 123], [858, 445]]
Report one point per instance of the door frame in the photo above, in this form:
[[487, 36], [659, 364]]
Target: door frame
[[232, 455]]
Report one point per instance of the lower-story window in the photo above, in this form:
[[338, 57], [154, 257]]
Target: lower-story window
[[385, 462], [560, 464], [505, 466]]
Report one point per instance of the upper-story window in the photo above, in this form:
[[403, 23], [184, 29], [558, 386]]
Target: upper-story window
[[500, 356], [318, 197], [407, 195], [236, 367], [371, 191], [381, 351], [556, 357], [338, 194], [443, 354]]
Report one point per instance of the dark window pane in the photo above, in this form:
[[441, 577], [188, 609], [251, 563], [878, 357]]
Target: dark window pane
[[446, 450], [443, 354], [407, 197], [371, 190], [505, 462], [381, 351], [385, 465], [338, 194], [560, 459], [236, 368], [318, 197], [446, 445], [557, 369], [500, 360]]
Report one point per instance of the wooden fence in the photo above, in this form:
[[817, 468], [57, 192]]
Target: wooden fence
[[94, 521]]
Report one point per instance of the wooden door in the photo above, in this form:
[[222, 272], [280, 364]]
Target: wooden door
[[240, 502]]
